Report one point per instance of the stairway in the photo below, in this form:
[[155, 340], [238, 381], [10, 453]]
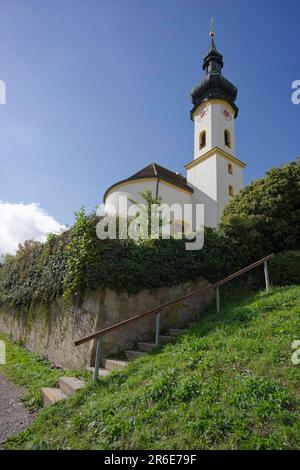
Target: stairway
[[67, 387], [142, 348]]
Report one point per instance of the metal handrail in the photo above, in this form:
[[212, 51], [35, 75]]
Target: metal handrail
[[157, 310], [137, 317], [244, 270]]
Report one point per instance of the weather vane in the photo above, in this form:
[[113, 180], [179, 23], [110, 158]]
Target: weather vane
[[212, 27]]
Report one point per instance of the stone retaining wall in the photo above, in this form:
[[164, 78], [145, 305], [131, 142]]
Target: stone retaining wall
[[50, 331]]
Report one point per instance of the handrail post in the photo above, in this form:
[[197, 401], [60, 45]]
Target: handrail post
[[218, 298], [157, 329], [267, 279], [98, 358]]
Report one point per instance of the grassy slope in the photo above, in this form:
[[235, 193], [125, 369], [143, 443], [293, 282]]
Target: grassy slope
[[27, 369], [229, 383]]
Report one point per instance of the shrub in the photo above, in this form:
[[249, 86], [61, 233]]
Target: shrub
[[265, 215], [285, 268], [36, 273]]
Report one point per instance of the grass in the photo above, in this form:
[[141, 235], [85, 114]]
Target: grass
[[28, 370], [229, 383]]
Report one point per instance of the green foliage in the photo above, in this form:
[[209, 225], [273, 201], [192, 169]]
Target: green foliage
[[35, 274], [77, 260], [265, 215], [81, 252], [146, 214], [228, 383], [127, 265], [285, 268]]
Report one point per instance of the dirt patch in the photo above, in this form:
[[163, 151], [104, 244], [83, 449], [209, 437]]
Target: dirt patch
[[14, 417]]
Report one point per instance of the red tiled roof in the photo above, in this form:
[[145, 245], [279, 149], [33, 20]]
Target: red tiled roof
[[157, 171]]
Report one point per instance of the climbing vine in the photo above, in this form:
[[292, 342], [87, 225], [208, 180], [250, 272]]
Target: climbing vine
[[76, 260]]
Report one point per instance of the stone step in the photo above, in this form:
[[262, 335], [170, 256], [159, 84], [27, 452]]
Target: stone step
[[70, 385], [132, 355], [177, 331], [102, 372], [52, 395], [114, 364], [145, 347], [164, 339]]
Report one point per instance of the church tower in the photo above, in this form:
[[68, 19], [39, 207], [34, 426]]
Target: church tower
[[215, 174]]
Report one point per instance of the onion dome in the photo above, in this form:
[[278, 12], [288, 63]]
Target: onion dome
[[214, 85]]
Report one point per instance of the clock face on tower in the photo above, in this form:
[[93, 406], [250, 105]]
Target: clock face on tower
[[226, 113], [202, 114]]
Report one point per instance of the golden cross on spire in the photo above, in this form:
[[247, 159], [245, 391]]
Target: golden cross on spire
[[212, 27]]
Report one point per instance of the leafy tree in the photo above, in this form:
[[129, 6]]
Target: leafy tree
[[265, 216]]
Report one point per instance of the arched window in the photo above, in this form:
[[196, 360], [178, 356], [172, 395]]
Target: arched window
[[227, 138], [230, 169], [202, 140], [230, 190]]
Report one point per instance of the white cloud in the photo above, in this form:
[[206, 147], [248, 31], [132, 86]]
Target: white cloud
[[20, 222]]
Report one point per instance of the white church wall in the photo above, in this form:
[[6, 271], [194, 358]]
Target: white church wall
[[202, 178], [210, 207], [131, 190], [225, 179], [169, 193]]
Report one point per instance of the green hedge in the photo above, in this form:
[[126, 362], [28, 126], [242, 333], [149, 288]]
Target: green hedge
[[77, 260], [285, 268]]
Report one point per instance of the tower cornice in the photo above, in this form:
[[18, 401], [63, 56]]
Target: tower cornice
[[212, 152]]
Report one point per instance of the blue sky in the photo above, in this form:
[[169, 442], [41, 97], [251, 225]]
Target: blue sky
[[97, 89]]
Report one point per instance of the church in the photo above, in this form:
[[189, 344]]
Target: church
[[215, 174]]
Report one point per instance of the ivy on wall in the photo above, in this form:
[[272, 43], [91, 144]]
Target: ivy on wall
[[77, 260]]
